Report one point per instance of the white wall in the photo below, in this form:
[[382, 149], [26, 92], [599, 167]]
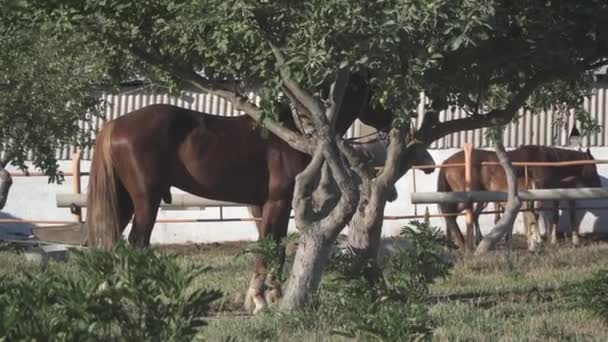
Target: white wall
[[34, 198]]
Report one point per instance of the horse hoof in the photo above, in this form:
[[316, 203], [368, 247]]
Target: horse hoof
[[254, 301], [532, 246], [255, 297], [272, 290]]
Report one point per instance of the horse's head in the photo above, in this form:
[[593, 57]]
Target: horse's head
[[377, 117], [423, 157], [357, 104], [5, 185], [590, 176]]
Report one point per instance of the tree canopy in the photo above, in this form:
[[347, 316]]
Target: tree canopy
[[47, 88], [481, 55], [490, 57], [478, 54]]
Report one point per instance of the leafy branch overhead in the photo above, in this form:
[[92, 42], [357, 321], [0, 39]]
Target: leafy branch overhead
[[482, 55]]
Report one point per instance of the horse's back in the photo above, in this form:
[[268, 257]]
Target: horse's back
[[455, 176], [223, 158]]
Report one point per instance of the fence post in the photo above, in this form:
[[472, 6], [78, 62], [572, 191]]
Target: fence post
[[76, 156], [470, 237]]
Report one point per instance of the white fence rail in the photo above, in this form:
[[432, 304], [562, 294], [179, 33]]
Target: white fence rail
[[499, 196]]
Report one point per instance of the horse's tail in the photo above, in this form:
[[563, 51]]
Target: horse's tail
[[102, 199]]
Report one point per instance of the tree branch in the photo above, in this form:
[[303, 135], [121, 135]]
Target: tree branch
[[346, 207], [505, 224], [435, 130], [304, 186], [312, 105], [240, 102]]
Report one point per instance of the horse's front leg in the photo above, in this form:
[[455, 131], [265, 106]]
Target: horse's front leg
[[554, 219], [530, 226], [264, 287]]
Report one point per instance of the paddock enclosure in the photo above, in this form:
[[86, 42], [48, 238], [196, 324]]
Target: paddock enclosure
[[36, 201]]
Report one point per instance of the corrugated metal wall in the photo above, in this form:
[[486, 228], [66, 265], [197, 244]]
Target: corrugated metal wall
[[536, 129], [529, 129], [125, 102]]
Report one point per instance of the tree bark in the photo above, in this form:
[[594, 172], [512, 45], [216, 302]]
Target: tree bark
[[321, 216], [365, 228], [309, 263], [319, 223], [505, 224]]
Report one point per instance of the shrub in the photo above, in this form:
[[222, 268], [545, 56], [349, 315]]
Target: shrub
[[272, 253], [389, 303], [126, 295]]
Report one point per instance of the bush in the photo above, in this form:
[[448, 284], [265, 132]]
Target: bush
[[592, 294], [389, 302], [126, 295], [272, 254]]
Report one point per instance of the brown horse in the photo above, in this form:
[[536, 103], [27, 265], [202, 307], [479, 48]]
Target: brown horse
[[5, 185], [492, 178], [140, 155], [483, 178], [547, 177]]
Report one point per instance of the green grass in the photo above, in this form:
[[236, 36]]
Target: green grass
[[519, 297]]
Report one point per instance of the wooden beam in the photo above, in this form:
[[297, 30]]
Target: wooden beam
[[178, 201], [498, 196]]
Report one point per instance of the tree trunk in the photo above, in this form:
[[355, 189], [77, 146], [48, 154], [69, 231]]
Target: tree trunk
[[505, 224], [319, 222], [365, 228], [309, 263], [5, 185]]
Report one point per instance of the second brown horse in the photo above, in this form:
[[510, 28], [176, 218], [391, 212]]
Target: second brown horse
[[492, 178]]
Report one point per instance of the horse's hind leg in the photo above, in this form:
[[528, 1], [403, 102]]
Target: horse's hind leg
[[452, 228], [126, 207], [574, 223], [264, 288], [256, 213], [146, 209], [478, 209]]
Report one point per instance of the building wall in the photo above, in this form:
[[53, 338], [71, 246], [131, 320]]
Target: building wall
[[529, 129], [533, 128]]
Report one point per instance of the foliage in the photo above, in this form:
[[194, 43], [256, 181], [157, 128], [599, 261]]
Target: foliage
[[389, 303], [472, 53], [272, 253], [593, 293], [124, 295], [47, 88]]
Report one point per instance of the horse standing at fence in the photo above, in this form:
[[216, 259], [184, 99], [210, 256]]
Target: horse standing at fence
[[492, 178], [5, 185], [483, 178], [556, 177], [140, 155]]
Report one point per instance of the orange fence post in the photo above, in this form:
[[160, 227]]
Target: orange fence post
[[470, 238], [77, 182]]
